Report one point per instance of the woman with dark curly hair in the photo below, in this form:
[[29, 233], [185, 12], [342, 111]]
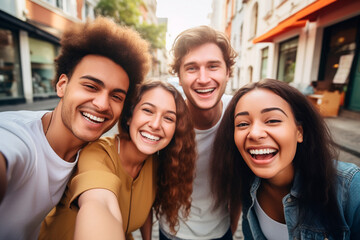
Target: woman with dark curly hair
[[150, 163], [274, 156]]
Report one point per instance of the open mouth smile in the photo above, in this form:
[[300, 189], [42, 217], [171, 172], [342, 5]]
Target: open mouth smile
[[149, 136], [262, 154], [203, 91], [92, 118]]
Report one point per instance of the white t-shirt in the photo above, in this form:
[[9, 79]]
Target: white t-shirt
[[203, 222], [271, 229], [36, 175]]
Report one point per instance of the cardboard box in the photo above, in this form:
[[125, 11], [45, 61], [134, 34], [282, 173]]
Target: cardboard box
[[328, 103]]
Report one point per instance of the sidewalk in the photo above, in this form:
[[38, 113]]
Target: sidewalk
[[47, 104], [346, 134]]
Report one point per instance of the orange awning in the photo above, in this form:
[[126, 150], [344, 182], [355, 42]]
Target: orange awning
[[297, 20]]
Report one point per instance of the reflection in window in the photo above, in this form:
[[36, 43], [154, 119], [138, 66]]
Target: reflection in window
[[287, 60], [42, 55], [10, 79]]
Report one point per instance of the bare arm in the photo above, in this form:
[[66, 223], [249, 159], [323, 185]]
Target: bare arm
[[99, 216], [3, 181], [146, 229]]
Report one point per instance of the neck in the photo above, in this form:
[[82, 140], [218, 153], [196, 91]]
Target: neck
[[131, 158], [205, 118], [272, 192], [60, 138]]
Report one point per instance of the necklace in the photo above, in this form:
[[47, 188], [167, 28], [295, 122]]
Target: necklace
[[47, 129]]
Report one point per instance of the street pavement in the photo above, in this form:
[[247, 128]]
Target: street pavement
[[345, 132]]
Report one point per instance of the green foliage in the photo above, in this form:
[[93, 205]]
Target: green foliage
[[126, 12], [155, 34]]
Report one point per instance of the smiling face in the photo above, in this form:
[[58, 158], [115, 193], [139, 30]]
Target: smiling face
[[266, 134], [203, 76], [153, 123], [93, 99]]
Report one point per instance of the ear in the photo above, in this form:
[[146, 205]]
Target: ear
[[300, 133], [61, 85]]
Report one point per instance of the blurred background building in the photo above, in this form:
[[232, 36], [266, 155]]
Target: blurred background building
[[30, 31], [297, 41]]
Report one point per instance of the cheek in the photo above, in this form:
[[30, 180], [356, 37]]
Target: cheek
[[238, 140], [170, 132]]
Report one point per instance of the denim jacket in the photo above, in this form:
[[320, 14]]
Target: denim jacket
[[348, 196]]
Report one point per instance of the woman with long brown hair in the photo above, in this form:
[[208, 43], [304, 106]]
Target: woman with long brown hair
[[273, 155], [119, 179]]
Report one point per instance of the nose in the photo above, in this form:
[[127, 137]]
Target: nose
[[101, 101], [203, 76], [155, 122], [257, 131]]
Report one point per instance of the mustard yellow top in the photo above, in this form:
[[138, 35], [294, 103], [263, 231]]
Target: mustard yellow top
[[99, 166]]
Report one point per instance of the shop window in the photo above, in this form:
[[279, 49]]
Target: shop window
[[10, 77], [42, 55], [339, 43], [287, 60], [264, 62]]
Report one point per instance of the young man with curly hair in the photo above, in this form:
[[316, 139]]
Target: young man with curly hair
[[203, 61], [96, 72]]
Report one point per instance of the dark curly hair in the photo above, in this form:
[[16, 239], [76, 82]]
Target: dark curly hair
[[197, 36], [104, 37], [313, 161], [176, 162]]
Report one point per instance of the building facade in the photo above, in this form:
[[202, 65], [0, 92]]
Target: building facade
[[300, 42], [29, 42], [30, 32]]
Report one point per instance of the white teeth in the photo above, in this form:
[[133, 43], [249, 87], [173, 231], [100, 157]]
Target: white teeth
[[94, 118], [261, 151], [205, 90], [149, 136]]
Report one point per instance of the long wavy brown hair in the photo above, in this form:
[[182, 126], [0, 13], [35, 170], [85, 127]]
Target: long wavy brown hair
[[313, 161], [176, 162]]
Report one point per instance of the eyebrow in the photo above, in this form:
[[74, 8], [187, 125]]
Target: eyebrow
[[101, 83], [168, 111], [265, 110], [273, 109], [209, 62]]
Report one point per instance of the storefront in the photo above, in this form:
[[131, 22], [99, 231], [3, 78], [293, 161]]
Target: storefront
[[320, 44], [10, 72], [27, 56], [340, 64]]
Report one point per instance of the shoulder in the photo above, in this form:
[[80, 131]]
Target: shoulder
[[21, 132], [348, 171], [21, 116], [103, 144], [348, 179], [99, 153]]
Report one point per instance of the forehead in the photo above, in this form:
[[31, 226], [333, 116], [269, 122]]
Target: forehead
[[104, 69], [259, 99], [205, 52], [159, 97]]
